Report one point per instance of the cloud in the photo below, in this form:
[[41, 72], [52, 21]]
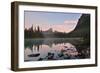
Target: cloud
[[71, 22], [66, 26]]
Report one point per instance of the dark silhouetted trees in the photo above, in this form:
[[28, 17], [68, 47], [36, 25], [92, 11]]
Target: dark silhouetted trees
[[30, 33]]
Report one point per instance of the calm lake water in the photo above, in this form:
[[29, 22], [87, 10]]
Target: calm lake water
[[55, 49]]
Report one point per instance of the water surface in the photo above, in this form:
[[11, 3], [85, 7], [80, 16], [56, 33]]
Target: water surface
[[55, 49]]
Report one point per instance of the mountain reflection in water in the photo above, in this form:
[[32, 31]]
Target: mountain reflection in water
[[55, 49]]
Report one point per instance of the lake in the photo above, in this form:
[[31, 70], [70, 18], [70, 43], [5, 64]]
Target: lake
[[44, 49]]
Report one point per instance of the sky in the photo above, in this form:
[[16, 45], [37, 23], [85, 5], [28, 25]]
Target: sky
[[58, 21]]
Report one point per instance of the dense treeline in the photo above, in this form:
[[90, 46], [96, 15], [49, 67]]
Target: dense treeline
[[30, 33]]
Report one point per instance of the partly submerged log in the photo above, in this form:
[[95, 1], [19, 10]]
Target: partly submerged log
[[34, 55]]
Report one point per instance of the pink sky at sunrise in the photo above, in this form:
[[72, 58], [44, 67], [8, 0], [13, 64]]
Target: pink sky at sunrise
[[67, 26], [62, 22]]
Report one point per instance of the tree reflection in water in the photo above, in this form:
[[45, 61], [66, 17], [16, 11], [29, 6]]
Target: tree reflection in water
[[55, 49]]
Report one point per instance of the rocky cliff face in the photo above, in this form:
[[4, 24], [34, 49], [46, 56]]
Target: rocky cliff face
[[83, 26]]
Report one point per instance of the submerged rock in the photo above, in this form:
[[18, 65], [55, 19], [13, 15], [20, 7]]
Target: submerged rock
[[40, 59]]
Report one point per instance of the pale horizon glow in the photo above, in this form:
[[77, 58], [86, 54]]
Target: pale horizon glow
[[62, 22]]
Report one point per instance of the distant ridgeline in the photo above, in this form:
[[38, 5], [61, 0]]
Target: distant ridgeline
[[82, 30]]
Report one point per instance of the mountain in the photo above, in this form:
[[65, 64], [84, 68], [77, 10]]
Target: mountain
[[83, 27], [48, 33], [50, 30]]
